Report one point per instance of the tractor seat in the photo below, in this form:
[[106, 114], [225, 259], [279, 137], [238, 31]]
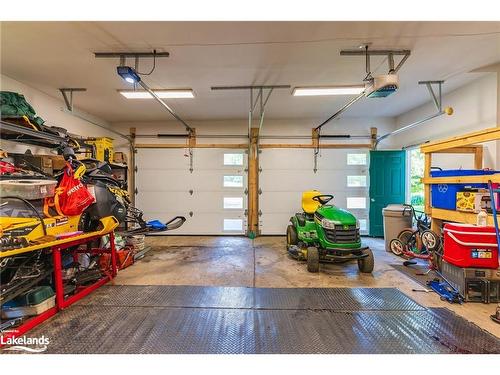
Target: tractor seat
[[308, 204]]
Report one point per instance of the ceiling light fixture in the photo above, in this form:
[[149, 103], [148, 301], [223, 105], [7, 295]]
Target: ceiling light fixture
[[128, 74], [164, 94], [331, 90]]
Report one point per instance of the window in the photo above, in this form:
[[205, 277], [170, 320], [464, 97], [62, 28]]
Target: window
[[362, 225], [356, 159], [356, 202], [233, 181], [356, 181], [416, 173], [233, 224], [233, 159], [233, 203]]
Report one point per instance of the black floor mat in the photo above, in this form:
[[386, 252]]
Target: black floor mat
[[136, 319], [418, 272]]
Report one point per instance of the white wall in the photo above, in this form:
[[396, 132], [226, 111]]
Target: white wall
[[475, 108], [51, 110]]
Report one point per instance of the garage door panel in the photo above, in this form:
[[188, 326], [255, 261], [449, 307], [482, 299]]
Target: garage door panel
[[167, 188], [153, 158], [202, 224], [286, 173]]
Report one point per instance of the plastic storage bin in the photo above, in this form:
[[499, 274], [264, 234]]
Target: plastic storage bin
[[468, 246], [11, 311], [445, 195], [396, 218]]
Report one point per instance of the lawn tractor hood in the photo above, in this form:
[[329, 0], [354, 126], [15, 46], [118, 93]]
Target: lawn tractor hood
[[331, 217], [382, 86]]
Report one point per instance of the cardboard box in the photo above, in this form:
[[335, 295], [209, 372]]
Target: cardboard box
[[473, 201], [119, 158]]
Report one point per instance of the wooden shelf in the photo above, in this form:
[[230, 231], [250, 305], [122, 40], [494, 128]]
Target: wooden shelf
[[486, 135], [457, 216], [462, 179]]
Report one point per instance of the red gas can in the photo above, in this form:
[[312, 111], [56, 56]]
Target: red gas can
[[468, 245]]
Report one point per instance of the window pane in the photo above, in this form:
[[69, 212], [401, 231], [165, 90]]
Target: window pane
[[233, 159], [356, 202], [362, 225], [233, 202], [356, 181], [233, 224], [356, 159], [233, 181]]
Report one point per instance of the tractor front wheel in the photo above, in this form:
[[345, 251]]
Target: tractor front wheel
[[313, 259], [366, 264], [291, 236]]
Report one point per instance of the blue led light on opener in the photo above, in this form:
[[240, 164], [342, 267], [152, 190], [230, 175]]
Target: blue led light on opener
[[128, 74]]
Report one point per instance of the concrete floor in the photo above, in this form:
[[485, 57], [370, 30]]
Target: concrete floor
[[263, 262]]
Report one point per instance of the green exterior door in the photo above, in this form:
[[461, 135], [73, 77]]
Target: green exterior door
[[387, 185]]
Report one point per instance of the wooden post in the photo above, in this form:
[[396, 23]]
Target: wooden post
[[192, 139], [131, 172], [315, 138], [253, 184], [373, 134], [478, 158], [427, 187]]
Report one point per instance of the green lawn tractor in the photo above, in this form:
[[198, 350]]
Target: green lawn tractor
[[325, 233]]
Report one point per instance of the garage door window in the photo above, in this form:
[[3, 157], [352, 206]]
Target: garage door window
[[233, 159], [356, 181], [356, 159], [233, 181], [233, 203], [362, 225], [233, 225], [356, 202]]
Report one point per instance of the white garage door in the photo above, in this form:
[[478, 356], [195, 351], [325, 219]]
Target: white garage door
[[286, 173], [212, 197]]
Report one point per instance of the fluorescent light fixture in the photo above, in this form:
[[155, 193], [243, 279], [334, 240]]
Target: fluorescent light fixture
[[331, 90], [164, 94]]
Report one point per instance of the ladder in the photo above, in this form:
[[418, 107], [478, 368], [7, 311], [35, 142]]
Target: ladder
[[492, 191]]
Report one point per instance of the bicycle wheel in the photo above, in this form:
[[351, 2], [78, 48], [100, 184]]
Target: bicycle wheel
[[430, 240], [405, 235], [397, 247]]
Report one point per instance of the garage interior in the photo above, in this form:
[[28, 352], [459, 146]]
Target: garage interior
[[256, 179]]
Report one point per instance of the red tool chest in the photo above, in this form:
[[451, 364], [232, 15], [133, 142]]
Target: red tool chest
[[468, 245]]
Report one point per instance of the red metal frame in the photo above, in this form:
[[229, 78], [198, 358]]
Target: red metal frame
[[61, 302]]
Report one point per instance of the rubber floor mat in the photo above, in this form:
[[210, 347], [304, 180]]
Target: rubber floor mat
[[417, 273], [186, 319], [337, 299], [119, 329]]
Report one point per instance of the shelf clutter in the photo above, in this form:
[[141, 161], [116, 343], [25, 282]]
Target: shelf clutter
[[470, 261]]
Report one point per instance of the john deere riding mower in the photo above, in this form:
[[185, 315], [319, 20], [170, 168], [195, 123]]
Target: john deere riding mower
[[325, 233]]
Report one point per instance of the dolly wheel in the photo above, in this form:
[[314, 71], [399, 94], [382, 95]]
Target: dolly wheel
[[312, 259], [366, 264], [291, 236]]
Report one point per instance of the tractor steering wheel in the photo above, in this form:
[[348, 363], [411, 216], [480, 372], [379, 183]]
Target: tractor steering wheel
[[323, 198]]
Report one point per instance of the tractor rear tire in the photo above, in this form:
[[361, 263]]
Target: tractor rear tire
[[366, 264], [313, 259], [291, 236]]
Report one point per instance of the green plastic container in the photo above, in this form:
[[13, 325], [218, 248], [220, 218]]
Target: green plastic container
[[35, 296]]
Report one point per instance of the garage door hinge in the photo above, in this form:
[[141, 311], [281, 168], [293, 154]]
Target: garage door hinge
[[136, 169], [246, 191], [136, 191], [260, 213], [245, 213], [260, 191], [260, 169], [246, 170]]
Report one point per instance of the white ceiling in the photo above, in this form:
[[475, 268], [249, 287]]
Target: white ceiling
[[50, 55]]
